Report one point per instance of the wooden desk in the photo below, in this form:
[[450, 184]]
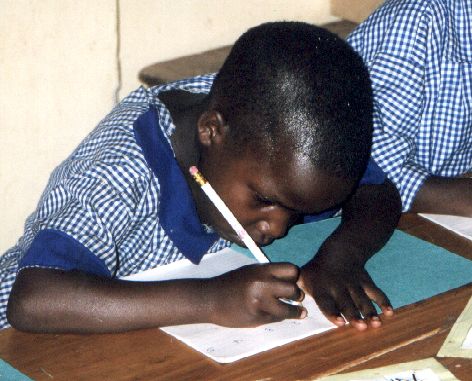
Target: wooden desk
[[415, 332]]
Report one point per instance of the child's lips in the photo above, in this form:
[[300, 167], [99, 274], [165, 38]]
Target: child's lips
[[266, 240], [263, 239]]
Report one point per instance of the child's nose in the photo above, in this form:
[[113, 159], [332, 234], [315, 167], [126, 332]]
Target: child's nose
[[275, 225]]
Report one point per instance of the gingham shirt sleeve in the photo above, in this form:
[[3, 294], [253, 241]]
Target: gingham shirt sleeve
[[90, 208], [93, 195], [395, 43], [395, 118]]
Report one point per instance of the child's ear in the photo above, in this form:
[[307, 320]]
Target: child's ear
[[211, 128]]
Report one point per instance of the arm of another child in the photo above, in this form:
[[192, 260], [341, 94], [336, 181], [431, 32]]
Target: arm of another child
[[336, 277], [47, 300], [443, 195]]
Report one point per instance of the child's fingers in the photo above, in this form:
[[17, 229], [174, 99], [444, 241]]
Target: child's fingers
[[349, 309], [329, 309], [278, 307], [282, 310], [379, 297], [288, 290], [292, 311], [366, 307], [301, 295], [285, 271]]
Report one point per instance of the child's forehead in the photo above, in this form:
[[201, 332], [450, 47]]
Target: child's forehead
[[271, 149], [296, 182]]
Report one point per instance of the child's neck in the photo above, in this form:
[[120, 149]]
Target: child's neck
[[185, 109]]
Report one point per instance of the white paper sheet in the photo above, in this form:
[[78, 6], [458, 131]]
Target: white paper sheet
[[427, 369], [458, 342], [467, 344], [223, 344], [459, 225], [211, 265]]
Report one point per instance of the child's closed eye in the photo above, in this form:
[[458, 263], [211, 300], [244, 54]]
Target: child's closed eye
[[261, 200]]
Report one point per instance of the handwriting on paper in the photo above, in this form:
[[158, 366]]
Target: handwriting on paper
[[408, 375]]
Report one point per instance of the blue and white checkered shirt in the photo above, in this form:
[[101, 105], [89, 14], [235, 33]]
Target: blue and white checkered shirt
[[102, 211], [419, 54]]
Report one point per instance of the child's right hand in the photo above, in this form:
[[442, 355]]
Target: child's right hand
[[250, 296]]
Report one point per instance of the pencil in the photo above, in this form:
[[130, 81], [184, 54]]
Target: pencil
[[228, 215], [232, 220]]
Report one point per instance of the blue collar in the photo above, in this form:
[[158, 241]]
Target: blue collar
[[177, 211]]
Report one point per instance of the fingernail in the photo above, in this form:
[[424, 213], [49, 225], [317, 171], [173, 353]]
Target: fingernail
[[361, 324], [302, 296], [304, 314], [340, 319]]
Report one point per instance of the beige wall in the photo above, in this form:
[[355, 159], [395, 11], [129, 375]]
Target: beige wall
[[57, 79], [59, 72], [179, 27], [354, 10]]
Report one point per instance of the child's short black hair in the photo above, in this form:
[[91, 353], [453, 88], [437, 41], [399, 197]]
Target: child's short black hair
[[297, 84]]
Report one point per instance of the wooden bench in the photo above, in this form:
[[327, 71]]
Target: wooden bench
[[209, 61]]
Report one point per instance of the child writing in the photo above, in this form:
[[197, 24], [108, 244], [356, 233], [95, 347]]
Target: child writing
[[419, 54], [283, 131]]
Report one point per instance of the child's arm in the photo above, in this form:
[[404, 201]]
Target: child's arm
[[444, 195], [46, 300], [336, 277]]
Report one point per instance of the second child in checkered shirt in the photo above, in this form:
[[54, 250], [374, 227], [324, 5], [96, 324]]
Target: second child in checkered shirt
[[419, 54], [282, 133]]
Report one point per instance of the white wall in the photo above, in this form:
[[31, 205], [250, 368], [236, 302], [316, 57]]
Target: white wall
[[57, 79], [59, 72], [180, 27]]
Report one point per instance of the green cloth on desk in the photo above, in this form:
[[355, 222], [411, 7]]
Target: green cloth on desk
[[8, 373], [407, 269]]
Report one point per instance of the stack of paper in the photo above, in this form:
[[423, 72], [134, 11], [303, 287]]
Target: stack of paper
[[459, 225]]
